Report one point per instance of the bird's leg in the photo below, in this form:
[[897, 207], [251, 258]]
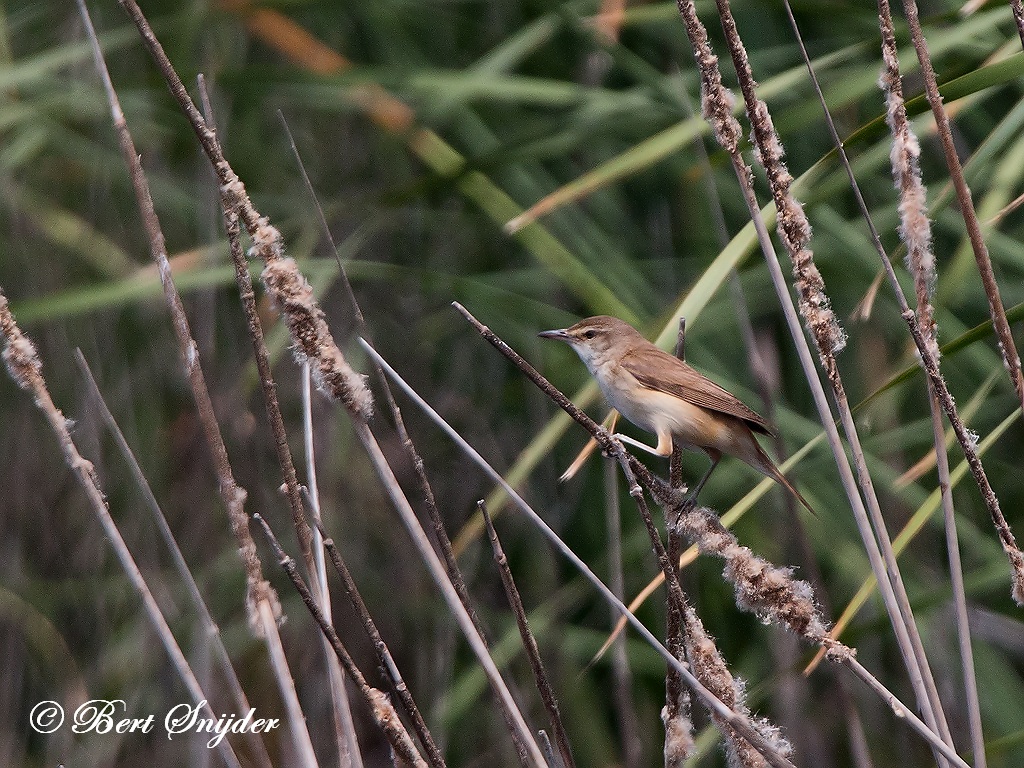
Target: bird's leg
[[715, 456], [663, 449]]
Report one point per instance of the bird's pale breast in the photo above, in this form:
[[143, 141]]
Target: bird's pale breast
[[690, 425]]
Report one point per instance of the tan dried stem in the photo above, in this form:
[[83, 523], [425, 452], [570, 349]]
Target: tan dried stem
[[679, 742], [675, 715], [294, 296], [348, 747], [263, 607], [792, 225], [289, 289], [915, 228], [715, 99], [711, 669], [622, 674], [231, 493], [708, 665], [26, 369], [220, 653], [377, 701], [768, 591], [247, 297], [794, 231], [515, 600], [385, 660], [1004, 336], [716, 106], [1012, 361], [867, 512], [525, 739], [915, 231]]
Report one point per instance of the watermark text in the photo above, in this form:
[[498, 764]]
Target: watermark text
[[110, 716]]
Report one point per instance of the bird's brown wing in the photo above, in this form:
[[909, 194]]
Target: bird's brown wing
[[669, 374]]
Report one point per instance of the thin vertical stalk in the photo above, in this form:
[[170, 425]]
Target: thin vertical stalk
[[547, 692], [344, 727], [441, 537], [915, 231], [440, 576], [968, 442], [675, 715], [26, 369], [1004, 335], [213, 633], [262, 603], [384, 658], [815, 307], [377, 703], [622, 676]]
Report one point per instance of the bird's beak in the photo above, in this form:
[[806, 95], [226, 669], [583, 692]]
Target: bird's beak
[[559, 335]]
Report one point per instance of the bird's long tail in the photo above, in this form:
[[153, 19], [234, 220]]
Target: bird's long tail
[[768, 468]]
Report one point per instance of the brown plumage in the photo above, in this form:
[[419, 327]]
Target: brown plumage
[[661, 394]]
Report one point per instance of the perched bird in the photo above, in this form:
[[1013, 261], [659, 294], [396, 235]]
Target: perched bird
[[661, 394]]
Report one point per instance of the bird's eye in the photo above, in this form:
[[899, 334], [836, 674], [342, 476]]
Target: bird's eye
[[589, 334]]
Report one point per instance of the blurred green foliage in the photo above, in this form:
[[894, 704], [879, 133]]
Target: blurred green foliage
[[511, 102]]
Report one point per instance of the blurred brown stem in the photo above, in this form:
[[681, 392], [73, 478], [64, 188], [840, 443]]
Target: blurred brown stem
[[384, 657], [515, 600], [377, 703]]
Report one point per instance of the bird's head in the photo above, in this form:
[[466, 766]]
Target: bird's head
[[597, 339]]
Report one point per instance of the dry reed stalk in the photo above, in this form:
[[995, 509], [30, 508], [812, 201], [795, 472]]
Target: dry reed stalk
[[345, 735], [1004, 335], [708, 665], [344, 726], [305, 320], [735, 721], [515, 600], [26, 369], [263, 608], [232, 494], [384, 658], [915, 232], [379, 706], [206, 621], [433, 511], [254, 327], [675, 715], [766, 590], [999, 322], [793, 228], [828, 337], [437, 570], [706, 660], [348, 746], [284, 281], [622, 675]]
